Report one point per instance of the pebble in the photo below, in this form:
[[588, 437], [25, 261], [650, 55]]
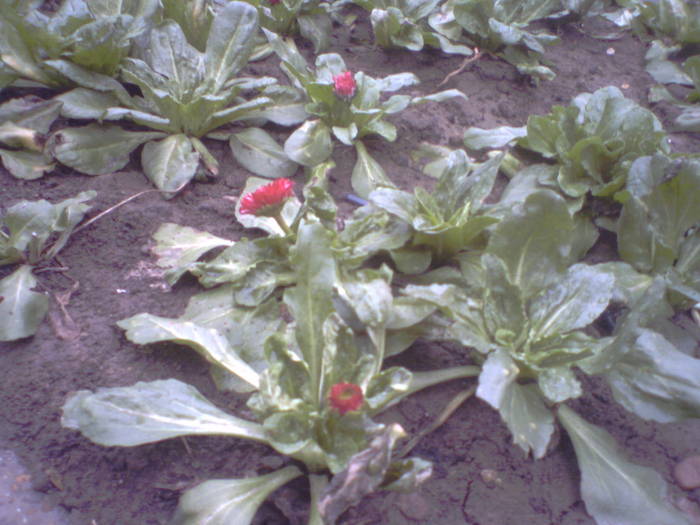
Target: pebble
[[490, 477], [687, 473]]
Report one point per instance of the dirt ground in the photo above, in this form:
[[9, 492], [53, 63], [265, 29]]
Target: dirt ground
[[480, 477]]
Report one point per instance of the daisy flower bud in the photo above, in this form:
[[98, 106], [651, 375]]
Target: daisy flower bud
[[344, 85], [345, 397]]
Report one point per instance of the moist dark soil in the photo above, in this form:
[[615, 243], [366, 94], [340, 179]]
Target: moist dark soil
[[480, 477]]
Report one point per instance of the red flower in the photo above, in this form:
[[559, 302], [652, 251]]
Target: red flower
[[344, 85], [345, 397], [267, 200]]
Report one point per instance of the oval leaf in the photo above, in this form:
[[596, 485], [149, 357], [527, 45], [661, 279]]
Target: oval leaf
[[21, 309], [150, 412], [232, 501], [170, 163], [258, 152]]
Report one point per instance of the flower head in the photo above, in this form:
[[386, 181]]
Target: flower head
[[345, 397], [344, 85], [267, 200]]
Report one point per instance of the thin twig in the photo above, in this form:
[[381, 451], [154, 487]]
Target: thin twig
[[449, 409], [119, 204], [109, 210], [187, 446], [476, 56]]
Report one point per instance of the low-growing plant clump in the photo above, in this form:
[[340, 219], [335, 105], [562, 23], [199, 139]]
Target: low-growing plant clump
[[494, 257]]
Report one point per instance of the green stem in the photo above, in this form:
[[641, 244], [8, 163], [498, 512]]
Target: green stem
[[283, 224], [423, 380], [317, 483]]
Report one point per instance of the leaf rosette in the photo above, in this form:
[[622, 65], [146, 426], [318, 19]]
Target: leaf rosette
[[346, 116]]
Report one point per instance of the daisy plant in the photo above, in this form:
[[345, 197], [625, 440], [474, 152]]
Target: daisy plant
[[182, 102], [316, 379], [81, 35], [31, 235], [347, 106], [404, 23], [525, 309], [309, 18]]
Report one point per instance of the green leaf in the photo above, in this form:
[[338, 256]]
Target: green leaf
[[90, 79], [31, 112], [81, 103], [150, 412], [230, 42], [503, 309], [656, 381], [367, 175], [170, 163], [571, 303], [231, 501], [559, 384], [316, 27], [259, 153], [498, 374], [478, 138], [521, 406], [208, 342], [178, 247], [616, 491], [533, 241], [310, 144], [661, 68], [310, 301], [32, 223], [17, 56], [660, 209], [689, 120], [27, 165], [95, 149], [21, 309]]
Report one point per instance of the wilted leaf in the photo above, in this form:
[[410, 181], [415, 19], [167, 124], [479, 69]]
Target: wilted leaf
[[363, 475]]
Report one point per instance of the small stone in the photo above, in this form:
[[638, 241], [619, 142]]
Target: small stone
[[610, 51], [687, 473], [490, 477]]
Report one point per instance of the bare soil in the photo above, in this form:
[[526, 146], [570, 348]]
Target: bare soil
[[480, 477]]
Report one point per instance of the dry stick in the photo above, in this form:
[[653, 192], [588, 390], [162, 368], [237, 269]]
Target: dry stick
[[119, 204], [187, 446], [467, 61], [449, 409]]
